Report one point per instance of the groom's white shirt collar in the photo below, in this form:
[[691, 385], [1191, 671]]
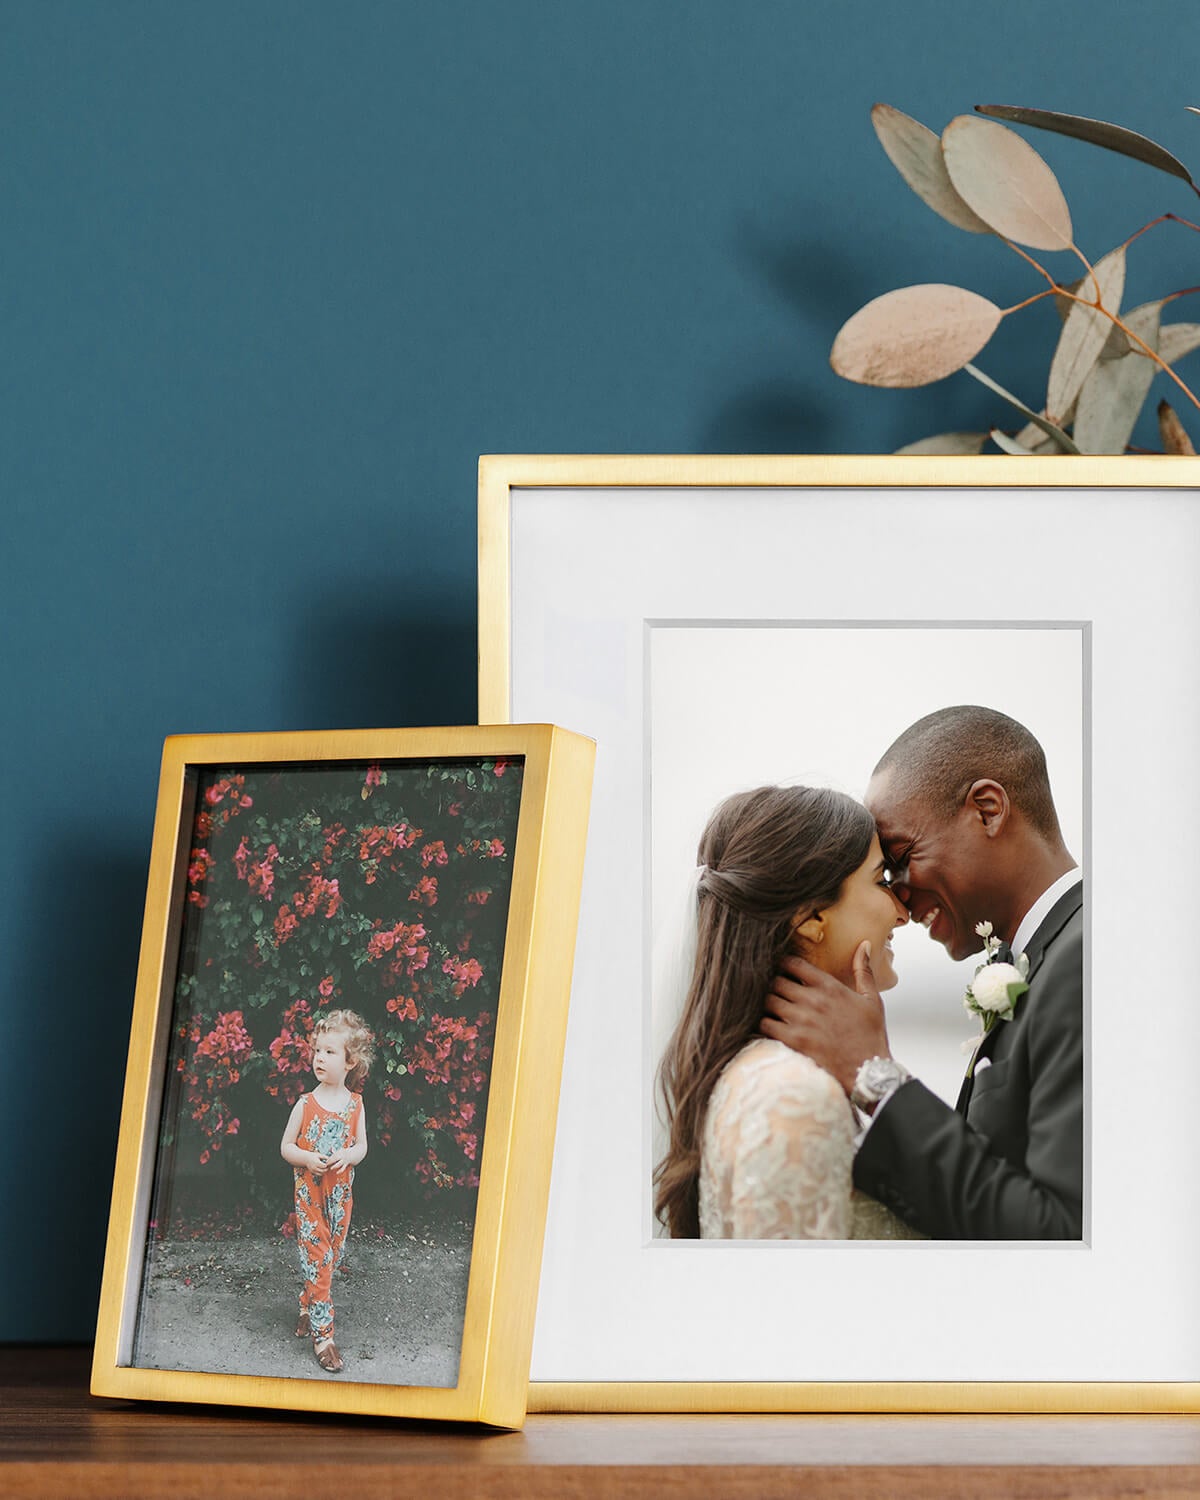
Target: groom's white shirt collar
[[1029, 924], [1042, 907]]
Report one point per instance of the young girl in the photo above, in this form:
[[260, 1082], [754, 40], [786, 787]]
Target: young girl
[[325, 1139]]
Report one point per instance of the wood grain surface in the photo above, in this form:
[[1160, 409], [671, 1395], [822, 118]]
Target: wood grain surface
[[59, 1443]]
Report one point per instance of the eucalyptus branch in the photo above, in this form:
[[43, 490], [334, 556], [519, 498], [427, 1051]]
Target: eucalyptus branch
[[1091, 271], [1029, 301], [1154, 223], [980, 176], [1037, 265], [1151, 354]]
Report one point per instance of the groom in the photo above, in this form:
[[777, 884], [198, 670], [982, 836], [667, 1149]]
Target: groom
[[963, 806]]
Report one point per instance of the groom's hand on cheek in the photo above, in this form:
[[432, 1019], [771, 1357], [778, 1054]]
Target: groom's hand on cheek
[[838, 1027]]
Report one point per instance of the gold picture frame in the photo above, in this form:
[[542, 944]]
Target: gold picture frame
[[597, 520], [541, 809]]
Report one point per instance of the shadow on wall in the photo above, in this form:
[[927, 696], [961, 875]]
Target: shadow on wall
[[817, 288], [76, 974], [365, 666], [349, 666]]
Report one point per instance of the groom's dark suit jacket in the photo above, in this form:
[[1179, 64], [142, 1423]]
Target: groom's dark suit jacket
[[1007, 1163]]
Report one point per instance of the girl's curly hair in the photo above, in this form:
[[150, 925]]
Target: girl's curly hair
[[360, 1043]]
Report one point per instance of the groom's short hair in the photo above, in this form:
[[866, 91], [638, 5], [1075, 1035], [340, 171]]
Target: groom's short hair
[[940, 757]]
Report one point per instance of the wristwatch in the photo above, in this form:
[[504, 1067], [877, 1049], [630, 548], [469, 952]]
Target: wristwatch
[[877, 1078]]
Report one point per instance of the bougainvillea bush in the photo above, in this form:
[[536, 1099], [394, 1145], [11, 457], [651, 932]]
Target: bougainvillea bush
[[379, 887]]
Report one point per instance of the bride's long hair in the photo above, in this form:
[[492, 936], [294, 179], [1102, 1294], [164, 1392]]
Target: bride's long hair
[[768, 859]]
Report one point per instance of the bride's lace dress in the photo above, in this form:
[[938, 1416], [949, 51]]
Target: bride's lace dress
[[777, 1154]]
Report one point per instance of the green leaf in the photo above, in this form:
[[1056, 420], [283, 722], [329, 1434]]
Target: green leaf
[[947, 442], [1096, 133], [1048, 427], [916, 153], [1084, 334], [1003, 179], [1115, 390], [914, 335], [256, 915]]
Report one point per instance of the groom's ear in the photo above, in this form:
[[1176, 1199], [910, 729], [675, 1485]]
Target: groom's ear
[[988, 801]]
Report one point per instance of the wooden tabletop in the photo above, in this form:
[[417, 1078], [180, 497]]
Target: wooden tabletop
[[57, 1441]]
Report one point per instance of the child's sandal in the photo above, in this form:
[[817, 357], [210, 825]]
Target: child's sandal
[[326, 1352], [303, 1326]]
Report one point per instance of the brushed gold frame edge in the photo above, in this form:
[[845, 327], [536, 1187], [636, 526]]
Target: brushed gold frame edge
[[485, 1392], [501, 473], [1112, 1398], [504, 471]]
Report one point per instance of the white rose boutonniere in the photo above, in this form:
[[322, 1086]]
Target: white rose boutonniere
[[993, 993]]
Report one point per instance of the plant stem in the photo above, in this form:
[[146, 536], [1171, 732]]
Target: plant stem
[[1162, 219], [1029, 301], [1040, 269], [1134, 339], [1091, 270], [1099, 307]]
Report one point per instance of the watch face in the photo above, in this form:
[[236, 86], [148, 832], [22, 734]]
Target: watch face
[[876, 1077]]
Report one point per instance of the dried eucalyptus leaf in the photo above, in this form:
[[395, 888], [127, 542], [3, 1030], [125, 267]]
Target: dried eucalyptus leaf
[[1084, 333], [1096, 132], [1003, 179], [1048, 427], [1062, 303], [1112, 396], [1115, 345], [914, 336], [916, 153], [1009, 445], [1033, 436], [1178, 339], [1170, 428], [948, 442]]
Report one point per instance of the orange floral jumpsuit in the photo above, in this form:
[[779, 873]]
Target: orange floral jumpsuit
[[323, 1206]]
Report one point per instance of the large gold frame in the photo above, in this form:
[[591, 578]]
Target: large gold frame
[[499, 475], [523, 1094]]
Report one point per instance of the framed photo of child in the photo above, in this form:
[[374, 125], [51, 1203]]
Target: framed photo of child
[[347, 1034]]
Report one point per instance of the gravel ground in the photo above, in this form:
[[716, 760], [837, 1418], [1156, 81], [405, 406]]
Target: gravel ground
[[229, 1305]]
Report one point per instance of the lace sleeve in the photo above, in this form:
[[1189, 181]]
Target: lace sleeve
[[778, 1150]]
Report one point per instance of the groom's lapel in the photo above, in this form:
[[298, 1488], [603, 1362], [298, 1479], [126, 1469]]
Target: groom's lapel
[[1056, 919]]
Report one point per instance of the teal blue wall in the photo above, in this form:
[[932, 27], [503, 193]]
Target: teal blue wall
[[273, 275]]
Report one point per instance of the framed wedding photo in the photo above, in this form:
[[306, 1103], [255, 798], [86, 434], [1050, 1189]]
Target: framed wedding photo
[[718, 624], [343, 1068]]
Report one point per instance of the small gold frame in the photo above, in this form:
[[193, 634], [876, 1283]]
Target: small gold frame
[[530, 1025]]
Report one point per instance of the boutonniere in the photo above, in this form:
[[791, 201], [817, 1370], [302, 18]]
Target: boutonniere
[[993, 993]]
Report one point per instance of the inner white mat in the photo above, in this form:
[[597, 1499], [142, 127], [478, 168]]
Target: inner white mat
[[618, 598]]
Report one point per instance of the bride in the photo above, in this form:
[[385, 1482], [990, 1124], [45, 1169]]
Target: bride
[[761, 1140]]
